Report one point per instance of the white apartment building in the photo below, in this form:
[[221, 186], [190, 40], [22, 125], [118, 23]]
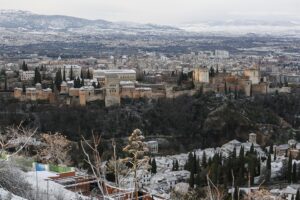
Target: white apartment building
[[26, 75], [221, 54]]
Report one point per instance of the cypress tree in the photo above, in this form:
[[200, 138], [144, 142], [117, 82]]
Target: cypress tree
[[81, 74], [203, 161], [24, 88], [192, 179], [294, 176], [64, 74], [58, 79], [150, 164], [297, 195], [5, 83], [195, 164], [271, 148], [198, 178], [176, 165], [37, 76], [88, 76], [252, 149], [225, 87], [268, 175], [82, 82], [153, 166], [24, 66], [289, 170], [275, 155], [236, 193], [71, 73]]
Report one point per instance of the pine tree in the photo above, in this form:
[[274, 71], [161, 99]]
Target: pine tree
[[294, 175], [289, 170], [153, 166]]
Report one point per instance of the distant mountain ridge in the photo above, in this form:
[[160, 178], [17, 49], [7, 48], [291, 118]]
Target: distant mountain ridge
[[17, 19]]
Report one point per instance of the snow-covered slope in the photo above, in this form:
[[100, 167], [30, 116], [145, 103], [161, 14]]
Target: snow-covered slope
[[27, 21]]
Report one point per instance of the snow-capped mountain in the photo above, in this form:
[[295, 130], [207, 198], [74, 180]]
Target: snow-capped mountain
[[12, 19]]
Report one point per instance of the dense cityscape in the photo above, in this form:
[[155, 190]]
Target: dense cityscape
[[95, 109]]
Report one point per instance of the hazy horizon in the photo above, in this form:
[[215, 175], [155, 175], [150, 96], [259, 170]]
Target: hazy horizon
[[168, 12]]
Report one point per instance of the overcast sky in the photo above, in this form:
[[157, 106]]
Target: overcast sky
[[162, 11]]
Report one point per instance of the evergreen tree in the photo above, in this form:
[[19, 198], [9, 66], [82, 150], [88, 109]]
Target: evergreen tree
[[233, 155], [271, 148], [150, 164], [225, 88], [203, 161], [82, 82], [81, 74], [88, 76], [198, 178], [52, 86], [5, 83], [297, 195], [64, 74], [192, 179], [289, 170], [268, 171], [24, 66], [211, 72], [294, 175], [275, 155], [23, 88], [176, 165], [252, 149], [71, 73], [236, 193], [58, 79], [37, 76], [153, 166], [235, 93]]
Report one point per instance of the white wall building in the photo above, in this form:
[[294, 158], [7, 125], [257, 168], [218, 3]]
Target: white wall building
[[26, 75]]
